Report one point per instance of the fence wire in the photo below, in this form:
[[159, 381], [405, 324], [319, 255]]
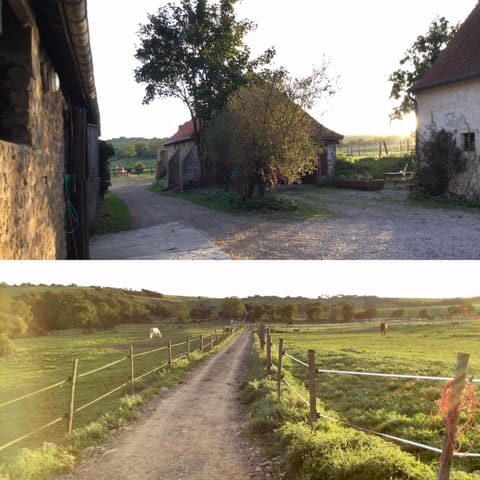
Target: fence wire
[[366, 430], [105, 395]]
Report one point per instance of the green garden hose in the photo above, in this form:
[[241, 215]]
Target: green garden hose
[[71, 219]]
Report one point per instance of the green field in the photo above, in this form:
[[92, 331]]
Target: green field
[[43, 361], [400, 407]]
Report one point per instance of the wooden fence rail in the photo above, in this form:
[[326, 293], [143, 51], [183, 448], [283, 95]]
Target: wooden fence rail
[[459, 381], [203, 347]]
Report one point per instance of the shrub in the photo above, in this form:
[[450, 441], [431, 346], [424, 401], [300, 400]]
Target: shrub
[[139, 168], [40, 464], [336, 453], [439, 159]]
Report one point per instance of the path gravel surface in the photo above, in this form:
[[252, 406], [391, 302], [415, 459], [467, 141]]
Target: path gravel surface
[[357, 225], [190, 432]]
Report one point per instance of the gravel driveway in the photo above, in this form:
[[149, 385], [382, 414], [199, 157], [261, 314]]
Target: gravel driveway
[[192, 432], [358, 225]]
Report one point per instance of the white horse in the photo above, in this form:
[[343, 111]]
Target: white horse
[[155, 332]]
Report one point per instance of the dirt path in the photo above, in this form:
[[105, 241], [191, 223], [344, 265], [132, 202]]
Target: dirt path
[[192, 432], [358, 225]]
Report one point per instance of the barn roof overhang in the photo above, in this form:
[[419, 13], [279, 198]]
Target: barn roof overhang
[[64, 34]]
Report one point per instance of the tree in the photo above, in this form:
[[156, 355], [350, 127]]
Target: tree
[[347, 312], [398, 313], [128, 151], [287, 312], [182, 313], [270, 311], [105, 152], [417, 60], [195, 52], [15, 317], [314, 311], [233, 308], [265, 135]]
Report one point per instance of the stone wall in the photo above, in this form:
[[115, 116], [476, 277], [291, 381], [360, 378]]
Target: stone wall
[[31, 169], [454, 108]]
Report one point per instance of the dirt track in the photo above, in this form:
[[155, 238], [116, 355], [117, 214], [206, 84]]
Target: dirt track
[[380, 225], [191, 432]]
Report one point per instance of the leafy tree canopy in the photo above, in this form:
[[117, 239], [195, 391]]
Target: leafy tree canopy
[[265, 135], [195, 52], [417, 60]]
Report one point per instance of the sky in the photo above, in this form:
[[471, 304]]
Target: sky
[[221, 279], [364, 42]]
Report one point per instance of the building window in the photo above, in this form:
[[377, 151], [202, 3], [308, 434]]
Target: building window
[[15, 78], [468, 141]]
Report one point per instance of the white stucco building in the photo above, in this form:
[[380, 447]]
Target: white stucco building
[[448, 97]]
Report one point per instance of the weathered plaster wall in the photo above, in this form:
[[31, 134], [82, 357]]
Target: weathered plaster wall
[[180, 160], [31, 174], [454, 108], [331, 158]]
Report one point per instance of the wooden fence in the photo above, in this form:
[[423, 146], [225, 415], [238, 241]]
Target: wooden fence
[[458, 384], [378, 149], [202, 344]]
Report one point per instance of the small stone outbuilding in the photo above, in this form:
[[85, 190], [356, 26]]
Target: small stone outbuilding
[[327, 141], [447, 97], [49, 128], [178, 164]]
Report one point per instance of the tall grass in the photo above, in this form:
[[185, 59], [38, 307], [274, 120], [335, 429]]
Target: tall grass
[[403, 408]]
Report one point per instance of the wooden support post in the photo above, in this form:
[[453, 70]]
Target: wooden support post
[[269, 352], [212, 343], [446, 459], [170, 355], [71, 405], [312, 380], [279, 369], [189, 346], [132, 371], [201, 343]]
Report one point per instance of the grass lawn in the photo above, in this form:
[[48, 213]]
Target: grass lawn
[[400, 407], [274, 204], [43, 361], [114, 215]]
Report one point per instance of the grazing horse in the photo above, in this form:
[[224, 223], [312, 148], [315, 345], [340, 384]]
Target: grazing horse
[[383, 329], [155, 332]]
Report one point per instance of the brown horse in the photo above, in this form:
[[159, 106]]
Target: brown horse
[[383, 328]]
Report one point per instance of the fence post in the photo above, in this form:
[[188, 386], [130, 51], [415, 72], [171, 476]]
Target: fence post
[[451, 417], [212, 342], [189, 346], [201, 343], [71, 405], [170, 355], [132, 371], [312, 372], [269, 352], [279, 369]]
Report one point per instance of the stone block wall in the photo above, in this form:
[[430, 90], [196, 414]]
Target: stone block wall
[[32, 167]]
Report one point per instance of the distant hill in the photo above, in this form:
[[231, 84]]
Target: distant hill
[[135, 148]]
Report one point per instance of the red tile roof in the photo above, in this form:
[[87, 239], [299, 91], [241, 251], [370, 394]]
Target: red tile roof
[[185, 133], [460, 60], [322, 133]]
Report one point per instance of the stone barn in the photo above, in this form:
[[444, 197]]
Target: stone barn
[[447, 97], [327, 141], [49, 128], [178, 165]]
